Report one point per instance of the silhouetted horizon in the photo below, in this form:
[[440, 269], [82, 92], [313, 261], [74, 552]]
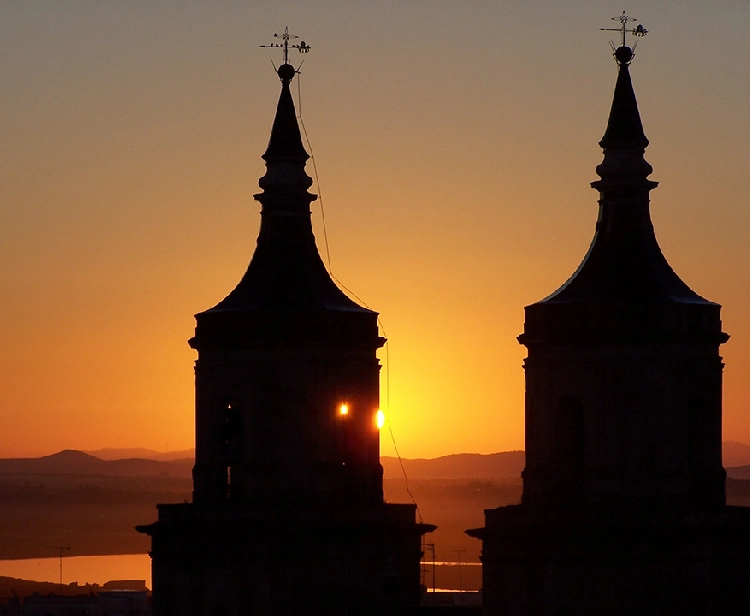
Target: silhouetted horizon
[[132, 461]]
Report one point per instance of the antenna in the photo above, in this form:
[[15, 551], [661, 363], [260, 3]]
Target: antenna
[[60, 549], [637, 31], [302, 47], [460, 582], [431, 548]]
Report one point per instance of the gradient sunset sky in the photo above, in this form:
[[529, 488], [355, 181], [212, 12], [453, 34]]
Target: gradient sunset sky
[[454, 141]]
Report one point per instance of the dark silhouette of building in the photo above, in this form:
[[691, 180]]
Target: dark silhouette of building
[[623, 508], [287, 514]]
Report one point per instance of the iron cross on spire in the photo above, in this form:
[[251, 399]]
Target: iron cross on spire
[[302, 47], [624, 19]]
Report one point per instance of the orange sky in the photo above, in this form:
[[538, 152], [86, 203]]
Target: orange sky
[[455, 143]]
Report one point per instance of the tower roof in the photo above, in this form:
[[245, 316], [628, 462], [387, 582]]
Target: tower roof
[[286, 272], [285, 143], [624, 262], [624, 127]]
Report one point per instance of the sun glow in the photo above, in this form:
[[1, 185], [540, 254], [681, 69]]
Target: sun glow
[[344, 409], [129, 191], [379, 419]]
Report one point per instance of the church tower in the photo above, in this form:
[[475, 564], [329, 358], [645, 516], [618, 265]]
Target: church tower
[[623, 374], [287, 515], [623, 509], [287, 377]]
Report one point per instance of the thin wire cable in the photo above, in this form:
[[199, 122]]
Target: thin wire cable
[[320, 203], [387, 348], [355, 296], [315, 172], [390, 428]]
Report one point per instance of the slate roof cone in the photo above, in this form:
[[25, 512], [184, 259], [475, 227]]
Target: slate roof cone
[[286, 273], [624, 264]]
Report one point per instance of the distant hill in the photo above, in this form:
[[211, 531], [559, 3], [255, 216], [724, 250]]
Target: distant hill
[[494, 466], [72, 462], [502, 466], [735, 454], [738, 472], [111, 453], [97, 503], [10, 587]]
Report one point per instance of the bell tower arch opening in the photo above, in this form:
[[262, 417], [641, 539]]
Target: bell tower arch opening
[[231, 436]]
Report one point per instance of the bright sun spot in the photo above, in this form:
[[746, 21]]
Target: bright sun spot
[[380, 419]]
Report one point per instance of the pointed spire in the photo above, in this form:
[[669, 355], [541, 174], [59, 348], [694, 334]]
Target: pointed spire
[[286, 272], [285, 183], [624, 129], [285, 143], [624, 262], [624, 141]]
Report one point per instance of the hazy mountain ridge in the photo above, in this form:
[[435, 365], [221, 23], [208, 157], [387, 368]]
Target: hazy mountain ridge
[[494, 466], [73, 462], [114, 453], [97, 503], [735, 454], [10, 587], [501, 466]]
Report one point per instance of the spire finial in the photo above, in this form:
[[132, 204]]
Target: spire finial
[[624, 54], [286, 71]]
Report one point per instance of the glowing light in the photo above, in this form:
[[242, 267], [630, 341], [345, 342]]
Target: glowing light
[[344, 409], [380, 419]]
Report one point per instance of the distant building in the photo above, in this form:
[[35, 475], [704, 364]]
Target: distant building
[[623, 508], [127, 585], [287, 514]]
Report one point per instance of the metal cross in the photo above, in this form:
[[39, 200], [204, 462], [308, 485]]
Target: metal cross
[[624, 19], [302, 47]]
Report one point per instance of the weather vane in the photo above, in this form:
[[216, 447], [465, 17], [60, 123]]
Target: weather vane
[[302, 47], [637, 31]]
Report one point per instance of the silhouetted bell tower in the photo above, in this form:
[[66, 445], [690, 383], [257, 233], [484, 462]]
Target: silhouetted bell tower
[[623, 377], [624, 508], [288, 514], [281, 355]]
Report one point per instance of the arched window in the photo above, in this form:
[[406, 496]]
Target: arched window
[[231, 439]]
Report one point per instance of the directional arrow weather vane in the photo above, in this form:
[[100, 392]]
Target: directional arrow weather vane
[[637, 31], [302, 47]]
